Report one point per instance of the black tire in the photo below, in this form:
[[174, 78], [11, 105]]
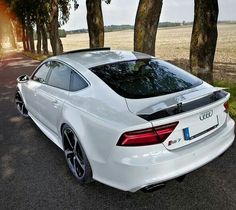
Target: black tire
[[20, 105], [75, 156]]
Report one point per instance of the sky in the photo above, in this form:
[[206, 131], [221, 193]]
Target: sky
[[123, 12]]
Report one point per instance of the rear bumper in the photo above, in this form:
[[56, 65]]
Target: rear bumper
[[131, 169]]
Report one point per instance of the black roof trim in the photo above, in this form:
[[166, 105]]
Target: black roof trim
[[87, 50]]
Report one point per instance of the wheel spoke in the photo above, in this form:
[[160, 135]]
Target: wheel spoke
[[80, 162], [79, 153], [73, 153], [75, 142], [74, 165], [20, 105], [18, 101], [68, 140], [68, 153], [22, 109]]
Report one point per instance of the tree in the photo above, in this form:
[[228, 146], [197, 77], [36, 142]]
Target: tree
[[2, 8], [23, 9], [44, 39], [7, 24], [42, 16], [45, 15], [39, 36], [146, 24], [53, 25], [30, 32], [56, 6], [95, 23], [11, 33], [204, 39]]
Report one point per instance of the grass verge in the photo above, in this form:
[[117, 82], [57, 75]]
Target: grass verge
[[39, 57], [232, 91]]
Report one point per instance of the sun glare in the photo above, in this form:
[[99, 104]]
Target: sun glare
[[8, 29]]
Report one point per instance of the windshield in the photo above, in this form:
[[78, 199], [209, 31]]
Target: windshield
[[145, 78]]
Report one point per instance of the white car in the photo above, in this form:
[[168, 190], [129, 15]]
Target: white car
[[126, 119]]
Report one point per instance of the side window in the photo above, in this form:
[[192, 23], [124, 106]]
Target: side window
[[77, 83], [60, 76], [42, 72]]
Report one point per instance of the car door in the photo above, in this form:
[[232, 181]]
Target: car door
[[52, 95], [29, 89]]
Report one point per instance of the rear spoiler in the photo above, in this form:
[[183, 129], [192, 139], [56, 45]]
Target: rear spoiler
[[183, 103]]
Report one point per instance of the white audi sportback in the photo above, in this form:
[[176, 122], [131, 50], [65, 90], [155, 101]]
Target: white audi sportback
[[126, 119]]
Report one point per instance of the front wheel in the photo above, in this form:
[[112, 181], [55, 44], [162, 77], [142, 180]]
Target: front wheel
[[20, 105], [75, 156]]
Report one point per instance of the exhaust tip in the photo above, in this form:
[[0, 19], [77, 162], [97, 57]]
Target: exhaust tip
[[153, 187]]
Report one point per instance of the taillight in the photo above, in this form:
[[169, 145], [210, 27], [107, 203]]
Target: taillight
[[226, 105], [155, 135]]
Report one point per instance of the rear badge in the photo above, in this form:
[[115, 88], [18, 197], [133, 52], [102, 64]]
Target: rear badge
[[173, 141], [206, 115]]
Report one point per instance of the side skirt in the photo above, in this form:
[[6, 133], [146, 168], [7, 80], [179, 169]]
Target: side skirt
[[53, 137]]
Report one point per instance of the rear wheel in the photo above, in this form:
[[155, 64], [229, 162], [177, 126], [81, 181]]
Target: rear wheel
[[75, 156], [20, 105]]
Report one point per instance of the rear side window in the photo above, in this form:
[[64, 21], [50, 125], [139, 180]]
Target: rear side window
[[60, 76], [42, 72], [145, 78], [77, 83]]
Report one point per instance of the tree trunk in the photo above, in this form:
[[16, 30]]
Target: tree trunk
[[25, 45], [27, 37], [44, 39], [95, 23], [30, 34], [39, 38], [12, 36], [146, 23], [31, 38], [204, 39], [57, 47], [1, 37]]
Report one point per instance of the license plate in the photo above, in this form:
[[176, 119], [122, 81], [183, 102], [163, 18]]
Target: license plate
[[188, 137], [186, 134]]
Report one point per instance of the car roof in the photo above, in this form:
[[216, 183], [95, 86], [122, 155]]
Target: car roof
[[94, 58]]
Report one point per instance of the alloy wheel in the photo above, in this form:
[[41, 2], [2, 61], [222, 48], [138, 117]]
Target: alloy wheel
[[73, 153], [20, 104]]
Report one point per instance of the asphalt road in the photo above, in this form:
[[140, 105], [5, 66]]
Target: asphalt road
[[33, 173]]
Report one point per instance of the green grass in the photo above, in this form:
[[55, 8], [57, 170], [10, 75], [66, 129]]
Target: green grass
[[232, 91]]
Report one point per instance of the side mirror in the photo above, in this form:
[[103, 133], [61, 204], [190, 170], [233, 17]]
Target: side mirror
[[22, 78]]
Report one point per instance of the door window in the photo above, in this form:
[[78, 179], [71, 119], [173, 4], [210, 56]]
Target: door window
[[42, 72], [60, 76], [77, 82]]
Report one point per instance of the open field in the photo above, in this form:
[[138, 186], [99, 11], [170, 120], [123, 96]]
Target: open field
[[172, 44]]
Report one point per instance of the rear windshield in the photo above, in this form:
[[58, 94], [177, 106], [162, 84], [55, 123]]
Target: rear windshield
[[145, 78]]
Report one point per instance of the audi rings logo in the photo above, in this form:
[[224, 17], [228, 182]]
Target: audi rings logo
[[206, 115]]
